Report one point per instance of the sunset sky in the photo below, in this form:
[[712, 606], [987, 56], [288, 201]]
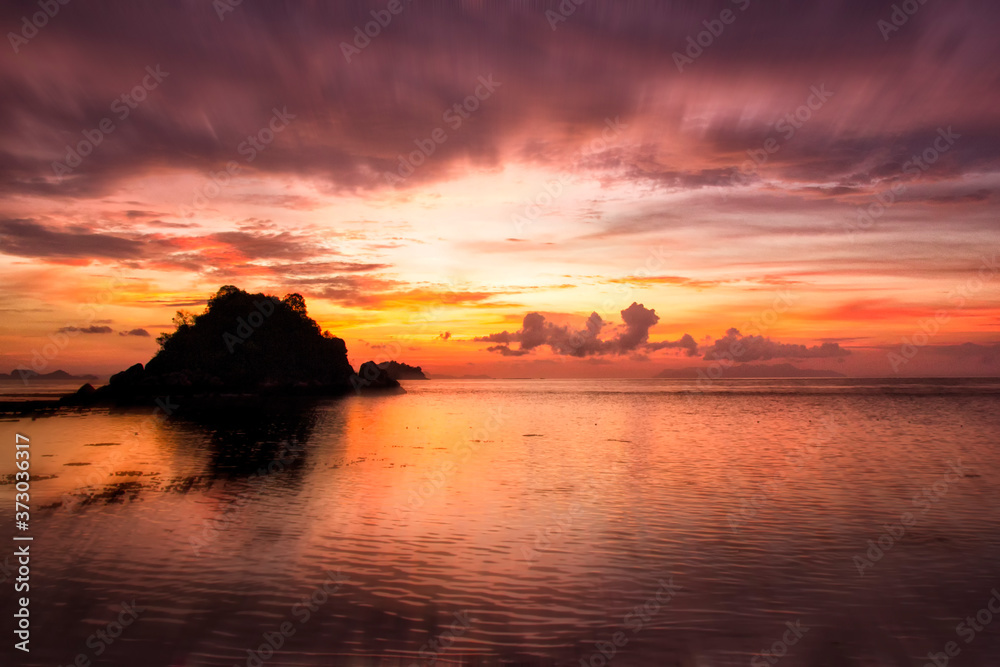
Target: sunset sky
[[595, 159]]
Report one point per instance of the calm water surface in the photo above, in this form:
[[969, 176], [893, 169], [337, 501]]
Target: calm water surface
[[521, 522]]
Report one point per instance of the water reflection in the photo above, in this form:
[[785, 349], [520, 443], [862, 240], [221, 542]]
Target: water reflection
[[241, 442], [489, 522]]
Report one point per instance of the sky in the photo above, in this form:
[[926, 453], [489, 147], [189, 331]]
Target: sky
[[488, 187]]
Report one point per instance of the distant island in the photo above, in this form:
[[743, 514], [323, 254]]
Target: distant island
[[748, 371], [398, 371], [243, 344], [26, 374]]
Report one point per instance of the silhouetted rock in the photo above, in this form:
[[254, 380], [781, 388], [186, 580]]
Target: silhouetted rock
[[83, 395], [400, 371], [243, 344], [372, 376], [128, 377]]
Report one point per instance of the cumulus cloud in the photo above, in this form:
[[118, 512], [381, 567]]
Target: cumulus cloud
[[86, 330], [734, 346], [536, 332], [506, 351], [632, 336], [638, 320], [686, 343], [135, 332], [444, 336]]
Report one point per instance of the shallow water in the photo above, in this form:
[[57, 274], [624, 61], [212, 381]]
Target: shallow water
[[39, 390], [521, 522]]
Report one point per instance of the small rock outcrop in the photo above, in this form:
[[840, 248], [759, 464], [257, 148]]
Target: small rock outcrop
[[372, 376], [83, 396]]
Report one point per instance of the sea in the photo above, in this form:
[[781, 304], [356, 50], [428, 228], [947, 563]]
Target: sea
[[821, 523], [40, 390]]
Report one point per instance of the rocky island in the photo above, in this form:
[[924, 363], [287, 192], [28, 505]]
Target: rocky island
[[245, 345]]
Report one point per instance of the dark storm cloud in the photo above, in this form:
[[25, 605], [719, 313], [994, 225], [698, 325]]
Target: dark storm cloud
[[354, 119], [211, 252], [27, 238]]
